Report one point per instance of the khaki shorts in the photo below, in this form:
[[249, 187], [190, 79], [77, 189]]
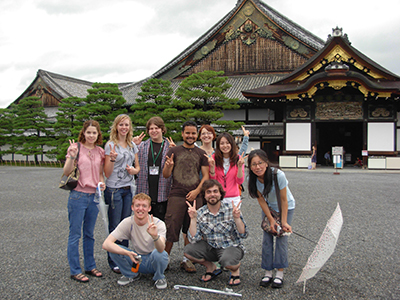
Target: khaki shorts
[[177, 217]]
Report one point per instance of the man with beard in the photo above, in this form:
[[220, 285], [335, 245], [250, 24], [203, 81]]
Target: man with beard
[[184, 163], [216, 232]]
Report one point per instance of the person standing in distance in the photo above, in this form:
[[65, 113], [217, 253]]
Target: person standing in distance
[[185, 163]]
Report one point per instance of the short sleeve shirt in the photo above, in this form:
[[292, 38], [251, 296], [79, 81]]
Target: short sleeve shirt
[[141, 240], [271, 197], [126, 156], [187, 167]]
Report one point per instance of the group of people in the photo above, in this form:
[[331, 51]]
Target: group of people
[[155, 190]]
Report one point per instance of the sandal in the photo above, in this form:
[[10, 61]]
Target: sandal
[[80, 277], [265, 281], [212, 275], [277, 285], [233, 278], [94, 272]]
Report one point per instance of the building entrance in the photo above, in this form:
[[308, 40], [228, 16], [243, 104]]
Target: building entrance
[[346, 134]]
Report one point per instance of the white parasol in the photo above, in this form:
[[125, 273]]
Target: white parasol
[[324, 248], [102, 206], [228, 292]]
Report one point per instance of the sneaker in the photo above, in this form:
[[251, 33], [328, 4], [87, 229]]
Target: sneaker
[[126, 280], [161, 284], [188, 266]]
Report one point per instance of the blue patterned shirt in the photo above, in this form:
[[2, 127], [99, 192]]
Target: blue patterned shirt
[[220, 230]]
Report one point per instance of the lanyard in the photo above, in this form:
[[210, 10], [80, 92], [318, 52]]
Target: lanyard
[[152, 152]]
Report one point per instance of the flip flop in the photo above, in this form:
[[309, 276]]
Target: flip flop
[[213, 274], [233, 278]]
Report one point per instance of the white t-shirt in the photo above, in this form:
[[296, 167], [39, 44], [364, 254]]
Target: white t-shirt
[[141, 240]]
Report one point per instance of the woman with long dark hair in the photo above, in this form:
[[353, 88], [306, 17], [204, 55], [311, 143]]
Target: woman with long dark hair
[[262, 176], [82, 209], [227, 167]]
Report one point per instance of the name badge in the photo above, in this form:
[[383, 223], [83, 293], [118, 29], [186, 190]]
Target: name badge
[[154, 170]]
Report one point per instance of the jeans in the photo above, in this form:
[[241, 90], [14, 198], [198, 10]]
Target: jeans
[[280, 259], [82, 210], [152, 263], [120, 202]]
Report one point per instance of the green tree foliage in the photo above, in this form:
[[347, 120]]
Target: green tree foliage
[[201, 98], [31, 127], [156, 100], [6, 132], [66, 128], [103, 103]]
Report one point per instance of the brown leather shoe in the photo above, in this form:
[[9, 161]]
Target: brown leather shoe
[[188, 266]]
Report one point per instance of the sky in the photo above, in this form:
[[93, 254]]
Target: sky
[[129, 40]]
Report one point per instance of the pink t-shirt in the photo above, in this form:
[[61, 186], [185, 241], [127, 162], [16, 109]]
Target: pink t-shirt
[[90, 164]]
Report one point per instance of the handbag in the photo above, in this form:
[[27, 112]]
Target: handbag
[[265, 224], [71, 181]]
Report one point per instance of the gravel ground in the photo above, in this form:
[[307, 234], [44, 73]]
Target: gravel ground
[[365, 264]]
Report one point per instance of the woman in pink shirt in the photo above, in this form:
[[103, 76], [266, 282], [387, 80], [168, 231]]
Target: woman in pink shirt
[[82, 209], [227, 167]]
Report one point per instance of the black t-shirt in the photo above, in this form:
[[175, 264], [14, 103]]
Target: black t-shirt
[[154, 159]]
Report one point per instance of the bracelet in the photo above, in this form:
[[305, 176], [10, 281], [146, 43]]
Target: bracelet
[[155, 240], [112, 160], [72, 157]]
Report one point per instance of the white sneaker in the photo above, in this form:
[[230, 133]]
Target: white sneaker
[[161, 284], [126, 280]]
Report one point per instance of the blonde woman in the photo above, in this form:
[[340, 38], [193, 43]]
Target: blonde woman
[[121, 164]]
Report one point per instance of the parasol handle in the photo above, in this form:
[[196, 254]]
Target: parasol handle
[[304, 237]]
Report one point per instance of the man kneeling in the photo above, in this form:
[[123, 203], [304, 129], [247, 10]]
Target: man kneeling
[[147, 235], [215, 234]]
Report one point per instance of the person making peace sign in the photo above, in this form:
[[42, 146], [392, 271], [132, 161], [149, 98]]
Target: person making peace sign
[[215, 233]]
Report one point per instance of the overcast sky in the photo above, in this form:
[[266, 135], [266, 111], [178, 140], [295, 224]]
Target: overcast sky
[[129, 40]]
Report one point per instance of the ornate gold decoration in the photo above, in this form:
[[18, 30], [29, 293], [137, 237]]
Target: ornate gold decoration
[[340, 55], [298, 113], [380, 112], [337, 84], [339, 111], [248, 10]]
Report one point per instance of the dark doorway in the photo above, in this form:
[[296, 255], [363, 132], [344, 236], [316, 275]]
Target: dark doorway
[[346, 134], [273, 148]]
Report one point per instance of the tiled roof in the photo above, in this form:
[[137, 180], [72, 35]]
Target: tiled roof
[[238, 83], [261, 130], [65, 86]]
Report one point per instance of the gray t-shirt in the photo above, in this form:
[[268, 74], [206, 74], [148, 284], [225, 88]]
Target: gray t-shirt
[[120, 176]]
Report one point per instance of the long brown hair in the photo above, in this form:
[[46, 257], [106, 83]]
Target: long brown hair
[[86, 124], [233, 154]]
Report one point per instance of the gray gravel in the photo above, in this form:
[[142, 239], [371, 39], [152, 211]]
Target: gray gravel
[[365, 264]]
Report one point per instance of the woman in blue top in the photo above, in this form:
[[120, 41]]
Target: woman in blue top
[[262, 187]]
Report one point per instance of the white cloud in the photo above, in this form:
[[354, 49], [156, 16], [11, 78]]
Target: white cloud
[[126, 40]]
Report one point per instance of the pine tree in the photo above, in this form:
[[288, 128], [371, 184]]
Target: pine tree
[[203, 95], [31, 127], [156, 100], [6, 132], [66, 128], [103, 103]]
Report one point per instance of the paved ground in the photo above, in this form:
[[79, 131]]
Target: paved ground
[[365, 264]]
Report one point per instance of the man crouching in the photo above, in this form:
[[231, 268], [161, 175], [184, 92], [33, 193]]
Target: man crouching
[[215, 234], [147, 235]]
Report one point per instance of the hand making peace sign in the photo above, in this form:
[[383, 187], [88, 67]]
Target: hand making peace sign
[[236, 210], [113, 154], [171, 142], [152, 228], [192, 210], [73, 149], [169, 161]]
